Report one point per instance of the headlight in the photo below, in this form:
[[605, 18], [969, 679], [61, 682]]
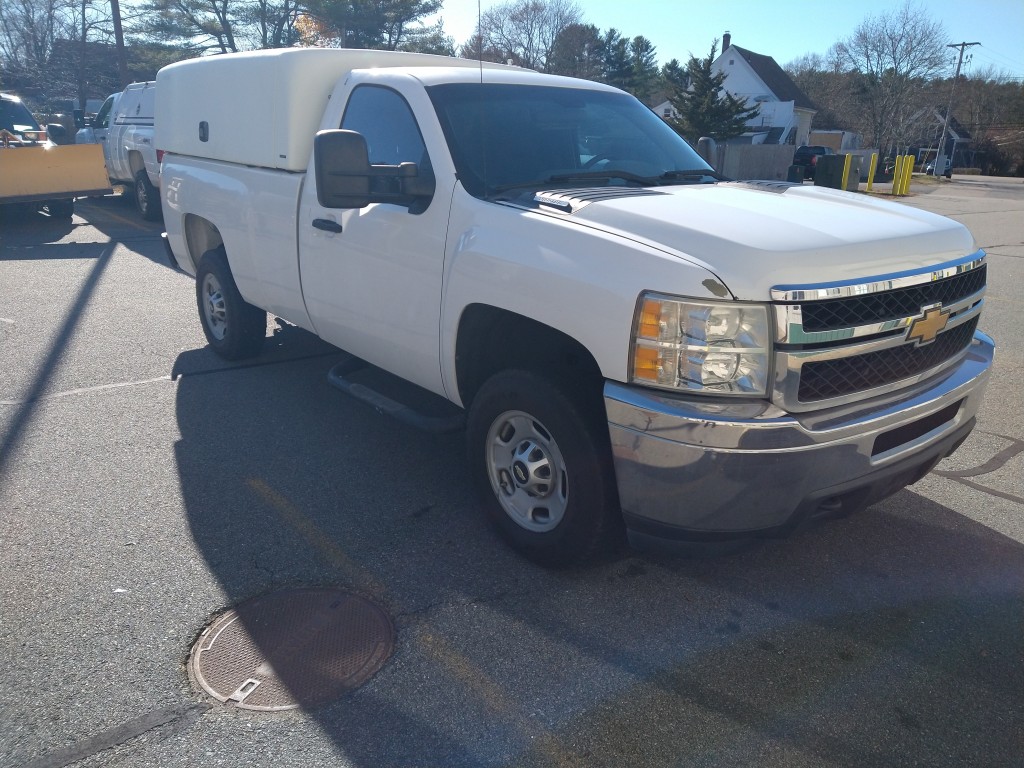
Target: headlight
[[717, 348]]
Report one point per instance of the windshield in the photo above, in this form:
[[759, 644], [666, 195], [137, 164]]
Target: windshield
[[504, 137], [16, 118]]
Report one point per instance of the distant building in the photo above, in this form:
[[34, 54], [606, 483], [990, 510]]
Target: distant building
[[785, 112], [840, 141], [662, 106], [958, 139]]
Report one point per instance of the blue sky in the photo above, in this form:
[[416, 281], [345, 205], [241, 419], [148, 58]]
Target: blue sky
[[785, 29]]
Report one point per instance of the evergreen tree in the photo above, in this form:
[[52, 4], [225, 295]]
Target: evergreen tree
[[645, 76], [578, 51], [704, 108], [618, 65]]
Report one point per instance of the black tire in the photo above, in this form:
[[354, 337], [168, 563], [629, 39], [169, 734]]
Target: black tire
[[147, 197], [234, 328], [542, 465], [61, 209]]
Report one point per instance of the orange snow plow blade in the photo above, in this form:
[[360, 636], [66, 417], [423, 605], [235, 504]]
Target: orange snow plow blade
[[52, 172]]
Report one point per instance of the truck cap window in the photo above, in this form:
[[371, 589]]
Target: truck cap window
[[504, 137]]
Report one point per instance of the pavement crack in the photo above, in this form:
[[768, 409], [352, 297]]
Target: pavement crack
[[996, 462], [178, 717]]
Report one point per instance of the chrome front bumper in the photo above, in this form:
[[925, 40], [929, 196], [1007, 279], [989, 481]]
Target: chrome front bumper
[[697, 468]]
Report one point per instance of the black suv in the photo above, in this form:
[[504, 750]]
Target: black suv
[[807, 157]]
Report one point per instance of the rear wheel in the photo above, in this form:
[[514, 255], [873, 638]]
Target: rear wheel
[[543, 468], [147, 197], [234, 328]]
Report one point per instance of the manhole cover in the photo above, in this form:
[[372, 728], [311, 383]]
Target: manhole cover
[[297, 647]]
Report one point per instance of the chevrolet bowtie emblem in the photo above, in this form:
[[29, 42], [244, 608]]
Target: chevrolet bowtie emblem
[[925, 328]]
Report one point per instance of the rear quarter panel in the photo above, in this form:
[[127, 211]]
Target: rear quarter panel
[[254, 211]]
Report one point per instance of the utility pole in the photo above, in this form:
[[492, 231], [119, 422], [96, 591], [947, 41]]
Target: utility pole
[[939, 168], [122, 64]]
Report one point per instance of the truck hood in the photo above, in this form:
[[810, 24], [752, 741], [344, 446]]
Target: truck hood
[[758, 235]]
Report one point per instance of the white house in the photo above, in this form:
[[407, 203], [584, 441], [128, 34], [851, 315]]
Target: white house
[[785, 112]]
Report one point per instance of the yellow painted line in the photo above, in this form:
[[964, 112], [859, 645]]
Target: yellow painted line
[[457, 665], [495, 699], [123, 220], [319, 540]]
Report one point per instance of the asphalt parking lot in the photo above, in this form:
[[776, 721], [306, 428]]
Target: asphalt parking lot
[[146, 486]]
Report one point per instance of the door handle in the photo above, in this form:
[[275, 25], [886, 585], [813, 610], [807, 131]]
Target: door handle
[[327, 225]]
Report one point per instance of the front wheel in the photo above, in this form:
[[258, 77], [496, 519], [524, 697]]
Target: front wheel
[[543, 468], [235, 329], [147, 197]]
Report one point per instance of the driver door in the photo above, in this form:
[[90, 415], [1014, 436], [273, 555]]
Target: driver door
[[374, 287]]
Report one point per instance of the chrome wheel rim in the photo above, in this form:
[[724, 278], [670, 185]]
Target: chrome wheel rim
[[527, 471], [214, 307]]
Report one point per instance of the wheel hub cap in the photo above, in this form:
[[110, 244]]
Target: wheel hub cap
[[531, 469], [527, 471], [216, 312]]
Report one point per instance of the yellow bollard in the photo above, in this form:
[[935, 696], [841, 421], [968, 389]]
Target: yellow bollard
[[908, 169], [846, 173], [872, 167], [897, 174]]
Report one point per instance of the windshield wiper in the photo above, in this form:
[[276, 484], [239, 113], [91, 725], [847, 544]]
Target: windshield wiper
[[697, 173], [562, 178], [611, 174]]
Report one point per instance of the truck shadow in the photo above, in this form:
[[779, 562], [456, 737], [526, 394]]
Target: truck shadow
[[891, 637], [116, 217], [25, 225]]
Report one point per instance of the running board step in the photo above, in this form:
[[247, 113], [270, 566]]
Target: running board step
[[340, 377]]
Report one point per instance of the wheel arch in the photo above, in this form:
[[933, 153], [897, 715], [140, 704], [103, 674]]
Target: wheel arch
[[201, 235], [491, 339], [136, 162]]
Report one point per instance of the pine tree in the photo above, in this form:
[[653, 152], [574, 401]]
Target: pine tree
[[704, 108], [643, 57]]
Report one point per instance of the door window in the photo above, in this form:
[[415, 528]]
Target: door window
[[387, 123], [102, 119]]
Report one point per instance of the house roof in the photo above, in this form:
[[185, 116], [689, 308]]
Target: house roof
[[955, 126], [774, 77]]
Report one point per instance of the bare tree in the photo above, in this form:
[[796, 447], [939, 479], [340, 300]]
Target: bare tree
[[833, 90], [28, 29], [381, 24], [270, 24], [47, 47], [525, 31], [894, 56]]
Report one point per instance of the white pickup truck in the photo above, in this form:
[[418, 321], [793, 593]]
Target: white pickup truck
[[124, 127], [636, 344]]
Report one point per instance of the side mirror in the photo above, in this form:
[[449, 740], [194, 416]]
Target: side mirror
[[79, 117], [342, 165], [346, 179], [58, 133]]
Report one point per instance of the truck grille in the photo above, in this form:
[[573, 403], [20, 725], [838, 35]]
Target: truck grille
[[891, 305], [842, 343], [848, 375]]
